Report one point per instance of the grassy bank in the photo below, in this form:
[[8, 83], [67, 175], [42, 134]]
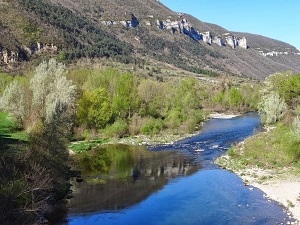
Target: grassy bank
[[274, 148], [269, 161]]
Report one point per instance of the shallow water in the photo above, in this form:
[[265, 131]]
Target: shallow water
[[175, 184]]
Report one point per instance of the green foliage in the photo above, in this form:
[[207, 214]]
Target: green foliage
[[219, 98], [153, 98], [9, 129], [5, 80], [32, 31], [125, 99], [231, 152], [296, 127], [287, 85], [277, 147], [291, 89], [94, 108], [174, 119], [14, 101], [152, 127], [105, 78], [272, 107], [235, 97], [118, 129], [84, 146]]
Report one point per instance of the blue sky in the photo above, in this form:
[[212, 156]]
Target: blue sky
[[277, 19]]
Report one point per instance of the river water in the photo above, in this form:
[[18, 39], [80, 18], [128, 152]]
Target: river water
[[172, 184]]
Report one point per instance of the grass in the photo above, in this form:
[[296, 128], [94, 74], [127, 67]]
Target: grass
[[84, 146], [9, 134], [274, 149]]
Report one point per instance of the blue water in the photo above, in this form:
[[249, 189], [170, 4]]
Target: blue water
[[205, 195]]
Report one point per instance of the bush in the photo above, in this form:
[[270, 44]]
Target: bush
[[296, 127], [173, 120], [272, 107], [136, 122], [118, 129], [153, 126]]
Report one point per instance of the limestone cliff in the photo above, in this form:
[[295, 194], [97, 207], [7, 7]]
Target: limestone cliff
[[8, 56], [182, 26]]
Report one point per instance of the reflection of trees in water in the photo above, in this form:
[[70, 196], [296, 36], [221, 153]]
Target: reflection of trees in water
[[124, 175]]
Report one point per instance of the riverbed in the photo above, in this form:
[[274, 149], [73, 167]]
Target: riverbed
[[172, 184]]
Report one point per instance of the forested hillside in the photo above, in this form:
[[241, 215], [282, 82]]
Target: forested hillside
[[134, 33]]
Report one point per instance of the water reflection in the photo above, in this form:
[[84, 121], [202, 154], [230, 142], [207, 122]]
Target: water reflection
[[118, 176], [128, 185]]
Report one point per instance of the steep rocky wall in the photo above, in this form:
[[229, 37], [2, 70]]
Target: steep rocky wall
[[182, 26], [8, 56]]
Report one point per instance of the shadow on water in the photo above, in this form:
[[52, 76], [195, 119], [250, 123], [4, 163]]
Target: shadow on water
[[171, 184]]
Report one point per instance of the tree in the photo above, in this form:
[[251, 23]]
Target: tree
[[235, 97], [53, 94], [152, 95], [272, 107], [14, 101], [125, 99], [94, 108]]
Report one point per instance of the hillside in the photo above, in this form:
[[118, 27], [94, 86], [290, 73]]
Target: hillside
[[134, 32]]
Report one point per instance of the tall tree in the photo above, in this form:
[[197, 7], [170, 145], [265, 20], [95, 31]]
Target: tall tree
[[125, 99], [52, 92], [94, 108]]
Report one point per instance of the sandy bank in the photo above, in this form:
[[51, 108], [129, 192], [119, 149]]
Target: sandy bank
[[222, 116]]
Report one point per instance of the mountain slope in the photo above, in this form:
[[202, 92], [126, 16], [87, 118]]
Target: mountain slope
[[135, 31]]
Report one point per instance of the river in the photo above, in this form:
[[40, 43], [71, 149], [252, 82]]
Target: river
[[171, 184]]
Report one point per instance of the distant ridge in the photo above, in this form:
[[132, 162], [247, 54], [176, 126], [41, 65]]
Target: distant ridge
[[135, 31]]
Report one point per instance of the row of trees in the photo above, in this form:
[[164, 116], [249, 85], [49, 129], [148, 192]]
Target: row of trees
[[107, 99], [110, 98]]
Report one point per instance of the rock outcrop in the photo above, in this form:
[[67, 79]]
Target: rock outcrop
[[7, 56], [184, 27]]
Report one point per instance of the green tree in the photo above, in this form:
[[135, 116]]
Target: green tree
[[290, 89], [235, 97], [272, 107], [125, 99], [94, 108], [152, 95]]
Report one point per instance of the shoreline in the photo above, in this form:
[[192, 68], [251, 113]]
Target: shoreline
[[161, 139], [166, 139], [280, 185]]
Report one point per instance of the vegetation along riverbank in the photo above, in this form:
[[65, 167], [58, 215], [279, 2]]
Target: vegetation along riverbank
[[270, 160], [55, 105]]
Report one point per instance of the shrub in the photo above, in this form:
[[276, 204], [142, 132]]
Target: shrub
[[153, 126], [272, 107], [118, 129], [136, 122], [173, 120], [296, 127]]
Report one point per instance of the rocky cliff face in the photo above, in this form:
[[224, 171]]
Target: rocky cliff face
[[184, 27], [8, 56]]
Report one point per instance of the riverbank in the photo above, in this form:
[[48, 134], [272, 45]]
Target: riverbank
[[281, 184], [165, 139], [144, 140]]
